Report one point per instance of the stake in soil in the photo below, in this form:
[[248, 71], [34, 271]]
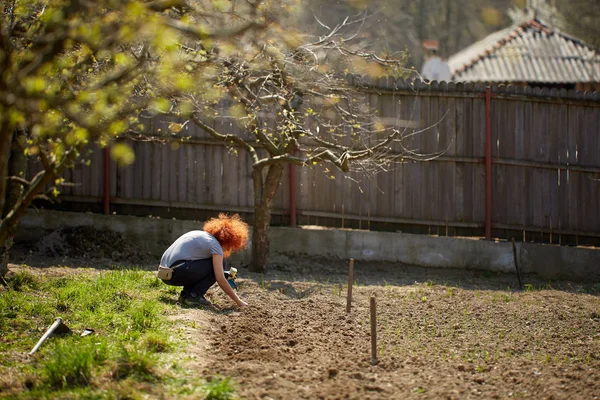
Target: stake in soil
[[350, 283], [373, 331]]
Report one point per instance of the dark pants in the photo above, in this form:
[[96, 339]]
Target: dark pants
[[196, 276]]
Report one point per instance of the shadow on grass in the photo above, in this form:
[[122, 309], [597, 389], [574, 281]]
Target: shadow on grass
[[334, 271], [214, 309]]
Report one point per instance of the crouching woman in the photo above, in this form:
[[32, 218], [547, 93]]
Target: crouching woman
[[197, 258]]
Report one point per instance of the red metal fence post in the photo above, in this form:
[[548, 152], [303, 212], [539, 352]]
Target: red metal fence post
[[488, 163]]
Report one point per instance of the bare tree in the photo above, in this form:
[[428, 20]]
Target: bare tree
[[298, 104]]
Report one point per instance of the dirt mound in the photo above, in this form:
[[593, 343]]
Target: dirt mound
[[85, 242]]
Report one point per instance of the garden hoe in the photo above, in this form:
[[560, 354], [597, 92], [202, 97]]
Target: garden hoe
[[57, 328]]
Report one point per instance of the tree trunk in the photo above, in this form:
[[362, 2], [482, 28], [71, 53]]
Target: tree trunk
[[36, 186], [17, 166], [264, 193], [6, 134]]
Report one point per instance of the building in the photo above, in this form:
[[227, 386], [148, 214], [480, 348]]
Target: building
[[529, 54], [434, 68]]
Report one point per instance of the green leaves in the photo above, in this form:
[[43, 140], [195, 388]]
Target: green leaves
[[122, 154]]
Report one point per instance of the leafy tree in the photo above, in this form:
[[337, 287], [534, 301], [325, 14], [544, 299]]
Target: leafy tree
[[582, 19], [297, 105], [75, 72]]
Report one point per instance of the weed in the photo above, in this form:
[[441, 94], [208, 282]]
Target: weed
[[263, 284], [144, 314], [22, 281], [219, 388], [156, 342], [419, 390], [137, 363], [155, 283], [336, 290]]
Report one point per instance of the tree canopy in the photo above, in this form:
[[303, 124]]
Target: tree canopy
[[75, 72]]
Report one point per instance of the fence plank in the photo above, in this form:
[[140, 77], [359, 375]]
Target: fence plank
[[147, 165], [165, 172], [574, 137], [434, 180], [217, 173], [96, 158], [517, 183], [464, 171], [155, 152], [501, 207], [190, 178], [478, 124], [448, 170]]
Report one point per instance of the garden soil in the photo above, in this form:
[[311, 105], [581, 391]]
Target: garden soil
[[440, 334]]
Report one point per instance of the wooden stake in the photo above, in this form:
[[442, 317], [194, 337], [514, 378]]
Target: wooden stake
[[350, 284], [373, 331]]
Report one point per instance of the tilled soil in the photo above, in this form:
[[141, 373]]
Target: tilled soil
[[455, 340]]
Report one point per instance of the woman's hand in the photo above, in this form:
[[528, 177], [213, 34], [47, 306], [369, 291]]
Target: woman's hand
[[222, 281]]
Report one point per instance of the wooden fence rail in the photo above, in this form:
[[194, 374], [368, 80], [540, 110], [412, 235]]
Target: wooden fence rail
[[545, 176]]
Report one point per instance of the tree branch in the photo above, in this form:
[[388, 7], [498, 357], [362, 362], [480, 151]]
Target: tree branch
[[227, 138]]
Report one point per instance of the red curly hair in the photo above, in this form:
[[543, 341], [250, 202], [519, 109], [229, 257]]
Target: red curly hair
[[230, 231]]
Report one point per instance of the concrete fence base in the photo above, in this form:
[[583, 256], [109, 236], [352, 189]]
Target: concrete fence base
[[154, 235]]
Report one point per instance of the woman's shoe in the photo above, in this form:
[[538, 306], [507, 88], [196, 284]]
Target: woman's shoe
[[194, 299]]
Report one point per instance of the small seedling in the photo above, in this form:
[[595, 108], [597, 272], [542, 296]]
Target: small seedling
[[219, 389]]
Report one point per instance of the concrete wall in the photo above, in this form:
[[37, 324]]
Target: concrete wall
[[154, 235]]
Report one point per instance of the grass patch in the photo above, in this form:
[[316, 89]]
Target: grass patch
[[69, 363], [130, 354], [219, 388]]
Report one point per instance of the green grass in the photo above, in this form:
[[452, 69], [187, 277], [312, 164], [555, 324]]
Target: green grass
[[219, 389], [134, 350]]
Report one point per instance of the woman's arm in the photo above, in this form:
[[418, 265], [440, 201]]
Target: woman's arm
[[222, 281]]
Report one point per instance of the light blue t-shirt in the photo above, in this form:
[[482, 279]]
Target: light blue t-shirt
[[194, 245]]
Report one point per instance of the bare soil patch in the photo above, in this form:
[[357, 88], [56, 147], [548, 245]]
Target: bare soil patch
[[455, 337]]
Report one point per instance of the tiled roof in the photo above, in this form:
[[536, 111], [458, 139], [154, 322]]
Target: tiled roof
[[528, 52]]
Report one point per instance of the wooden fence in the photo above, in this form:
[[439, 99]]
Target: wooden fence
[[545, 169]]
